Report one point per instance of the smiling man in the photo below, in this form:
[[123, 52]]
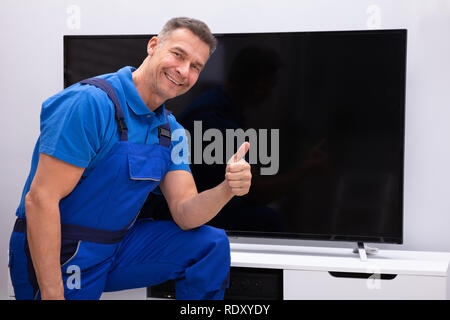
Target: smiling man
[[105, 144], [174, 62]]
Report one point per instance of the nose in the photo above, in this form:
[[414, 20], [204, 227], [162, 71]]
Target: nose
[[183, 69]]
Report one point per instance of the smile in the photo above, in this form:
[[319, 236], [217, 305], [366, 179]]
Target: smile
[[172, 80]]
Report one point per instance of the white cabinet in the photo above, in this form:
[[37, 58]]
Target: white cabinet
[[304, 285], [336, 273]]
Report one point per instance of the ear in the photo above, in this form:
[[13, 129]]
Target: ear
[[152, 44]]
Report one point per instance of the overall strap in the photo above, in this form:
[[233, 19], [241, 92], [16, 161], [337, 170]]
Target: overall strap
[[74, 232], [109, 90], [164, 134]]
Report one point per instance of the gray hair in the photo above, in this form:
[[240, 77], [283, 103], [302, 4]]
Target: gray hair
[[197, 27]]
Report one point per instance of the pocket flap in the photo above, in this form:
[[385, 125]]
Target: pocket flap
[[146, 168]]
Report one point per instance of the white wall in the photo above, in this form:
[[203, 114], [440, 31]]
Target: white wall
[[31, 64]]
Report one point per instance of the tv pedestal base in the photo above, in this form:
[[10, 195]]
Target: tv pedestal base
[[364, 250], [337, 273]]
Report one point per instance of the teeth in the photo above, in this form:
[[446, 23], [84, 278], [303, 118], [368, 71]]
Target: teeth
[[168, 77]]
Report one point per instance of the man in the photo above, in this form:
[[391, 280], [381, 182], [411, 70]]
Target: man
[[103, 148]]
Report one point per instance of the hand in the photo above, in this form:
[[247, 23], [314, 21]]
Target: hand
[[59, 297], [238, 176], [52, 295]]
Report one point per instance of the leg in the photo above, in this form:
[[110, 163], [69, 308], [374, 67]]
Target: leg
[[84, 268], [156, 251], [24, 286]]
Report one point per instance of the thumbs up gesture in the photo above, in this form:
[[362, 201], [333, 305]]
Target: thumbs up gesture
[[238, 176]]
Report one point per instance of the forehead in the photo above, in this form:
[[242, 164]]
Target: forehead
[[190, 43]]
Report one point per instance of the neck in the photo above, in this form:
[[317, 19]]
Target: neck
[[144, 88]]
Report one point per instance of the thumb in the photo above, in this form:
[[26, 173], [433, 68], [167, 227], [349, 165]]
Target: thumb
[[240, 154]]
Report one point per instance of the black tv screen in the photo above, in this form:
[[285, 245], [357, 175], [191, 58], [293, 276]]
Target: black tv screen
[[323, 112]]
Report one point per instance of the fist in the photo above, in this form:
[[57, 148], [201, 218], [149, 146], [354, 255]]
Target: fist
[[238, 176]]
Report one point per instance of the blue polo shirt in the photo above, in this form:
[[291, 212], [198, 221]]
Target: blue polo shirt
[[78, 126]]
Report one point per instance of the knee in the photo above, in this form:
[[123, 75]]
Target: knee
[[213, 239]]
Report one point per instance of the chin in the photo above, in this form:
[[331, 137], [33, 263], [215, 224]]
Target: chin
[[174, 95], [179, 93], [170, 93]]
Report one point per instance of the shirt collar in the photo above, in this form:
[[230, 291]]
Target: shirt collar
[[134, 101]]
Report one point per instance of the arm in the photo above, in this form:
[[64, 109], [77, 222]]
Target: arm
[[191, 209], [54, 179]]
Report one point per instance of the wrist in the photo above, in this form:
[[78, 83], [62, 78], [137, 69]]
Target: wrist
[[52, 293], [226, 190], [52, 296]]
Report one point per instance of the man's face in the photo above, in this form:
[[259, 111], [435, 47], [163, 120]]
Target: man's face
[[175, 63]]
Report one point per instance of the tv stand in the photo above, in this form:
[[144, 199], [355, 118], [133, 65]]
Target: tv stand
[[364, 251], [336, 273]]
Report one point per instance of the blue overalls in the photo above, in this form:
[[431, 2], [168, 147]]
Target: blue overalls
[[104, 248]]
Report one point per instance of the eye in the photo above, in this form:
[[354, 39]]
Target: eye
[[177, 54]]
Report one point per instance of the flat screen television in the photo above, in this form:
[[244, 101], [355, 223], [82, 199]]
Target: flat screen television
[[324, 113]]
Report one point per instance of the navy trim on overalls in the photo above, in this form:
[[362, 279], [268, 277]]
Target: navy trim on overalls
[[164, 133], [73, 232], [109, 90]]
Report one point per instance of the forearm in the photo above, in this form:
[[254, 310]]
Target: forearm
[[190, 209], [44, 241], [202, 207]]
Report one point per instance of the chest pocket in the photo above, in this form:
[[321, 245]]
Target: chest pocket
[[147, 168]]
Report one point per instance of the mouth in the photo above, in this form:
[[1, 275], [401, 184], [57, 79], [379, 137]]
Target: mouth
[[171, 79]]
